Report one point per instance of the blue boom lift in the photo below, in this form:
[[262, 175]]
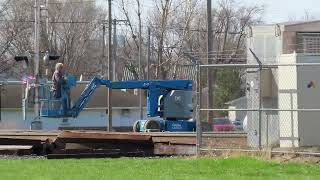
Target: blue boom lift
[[170, 100]]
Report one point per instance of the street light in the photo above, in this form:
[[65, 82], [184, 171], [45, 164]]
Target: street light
[[50, 57], [21, 58], [24, 59]]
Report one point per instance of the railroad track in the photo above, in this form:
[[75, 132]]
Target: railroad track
[[28, 133], [78, 144]]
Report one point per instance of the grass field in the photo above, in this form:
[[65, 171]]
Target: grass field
[[163, 168]]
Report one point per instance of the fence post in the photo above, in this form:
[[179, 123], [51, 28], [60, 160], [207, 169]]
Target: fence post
[[260, 106], [267, 130], [260, 95], [198, 106]]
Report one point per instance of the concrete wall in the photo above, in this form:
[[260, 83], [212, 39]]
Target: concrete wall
[[11, 96], [253, 116], [267, 46], [289, 33], [299, 128], [307, 26], [275, 39], [289, 44], [12, 111], [12, 119], [308, 98], [288, 99]]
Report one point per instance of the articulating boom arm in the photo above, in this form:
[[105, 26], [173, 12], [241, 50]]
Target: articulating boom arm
[[86, 94], [153, 84], [155, 89]]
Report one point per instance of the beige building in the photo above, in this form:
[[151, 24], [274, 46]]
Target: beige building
[[286, 87], [125, 111]]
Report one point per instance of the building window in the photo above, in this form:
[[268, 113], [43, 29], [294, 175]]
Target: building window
[[308, 43]]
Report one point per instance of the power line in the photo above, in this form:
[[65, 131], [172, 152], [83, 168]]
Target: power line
[[52, 22], [144, 26], [19, 21], [71, 2]]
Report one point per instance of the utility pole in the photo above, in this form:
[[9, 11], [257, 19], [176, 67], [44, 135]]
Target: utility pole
[[115, 47], [140, 57], [109, 66], [209, 60], [0, 102], [148, 54], [37, 120], [44, 12], [47, 16], [103, 64]]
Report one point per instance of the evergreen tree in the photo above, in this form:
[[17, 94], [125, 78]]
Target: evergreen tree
[[228, 87]]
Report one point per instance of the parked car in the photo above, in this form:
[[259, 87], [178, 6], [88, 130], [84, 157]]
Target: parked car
[[222, 124], [238, 124]]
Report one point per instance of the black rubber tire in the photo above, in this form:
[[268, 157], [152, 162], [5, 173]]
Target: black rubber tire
[[136, 127], [152, 124]]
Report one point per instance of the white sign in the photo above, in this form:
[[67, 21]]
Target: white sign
[[252, 84]]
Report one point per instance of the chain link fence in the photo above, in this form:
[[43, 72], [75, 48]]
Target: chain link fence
[[272, 106]]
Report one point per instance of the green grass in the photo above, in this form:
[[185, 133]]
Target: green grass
[[163, 168]]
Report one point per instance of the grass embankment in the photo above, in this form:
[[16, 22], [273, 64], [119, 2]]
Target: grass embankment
[[163, 168]]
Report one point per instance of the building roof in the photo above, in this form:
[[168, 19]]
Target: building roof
[[289, 23]]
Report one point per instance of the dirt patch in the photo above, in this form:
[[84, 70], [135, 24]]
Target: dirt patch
[[296, 158], [266, 155], [225, 142]]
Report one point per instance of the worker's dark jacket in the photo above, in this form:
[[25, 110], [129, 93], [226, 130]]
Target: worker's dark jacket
[[57, 80]]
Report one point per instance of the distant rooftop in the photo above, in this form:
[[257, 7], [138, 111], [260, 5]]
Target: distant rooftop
[[288, 23]]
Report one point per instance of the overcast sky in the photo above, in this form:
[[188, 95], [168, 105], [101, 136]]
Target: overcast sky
[[282, 10], [275, 10]]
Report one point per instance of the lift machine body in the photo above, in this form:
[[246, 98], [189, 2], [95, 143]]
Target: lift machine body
[[169, 102]]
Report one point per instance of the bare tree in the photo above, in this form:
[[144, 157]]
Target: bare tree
[[129, 53], [75, 39], [177, 27], [15, 27], [74, 33]]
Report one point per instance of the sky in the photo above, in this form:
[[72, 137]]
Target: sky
[[282, 10], [275, 10]]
